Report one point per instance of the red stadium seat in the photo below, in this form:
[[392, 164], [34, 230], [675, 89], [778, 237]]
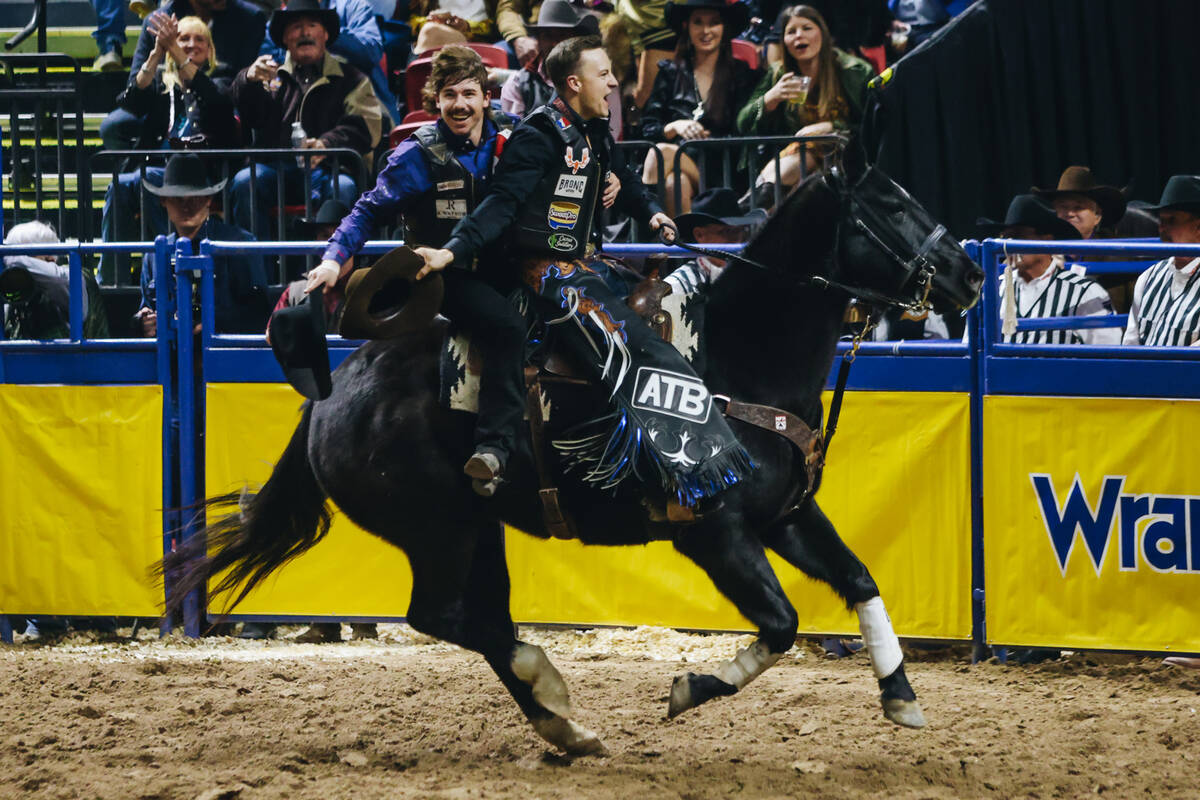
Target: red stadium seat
[[403, 131], [414, 80], [420, 115], [746, 51], [877, 56], [493, 55]]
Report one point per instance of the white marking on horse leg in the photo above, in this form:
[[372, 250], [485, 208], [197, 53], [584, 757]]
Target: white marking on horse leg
[[569, 736], [747, 665], [529, 663], [882, 645]]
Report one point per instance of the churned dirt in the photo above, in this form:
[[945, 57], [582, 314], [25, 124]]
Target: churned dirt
[[405, 716]]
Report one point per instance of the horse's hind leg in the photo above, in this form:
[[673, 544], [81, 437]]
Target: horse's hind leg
[[464, 599], [738, 567], [808, 541]]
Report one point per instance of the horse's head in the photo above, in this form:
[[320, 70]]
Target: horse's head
[[892, 250]]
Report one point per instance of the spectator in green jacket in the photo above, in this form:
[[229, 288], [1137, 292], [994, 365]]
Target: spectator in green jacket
[[816, 90]]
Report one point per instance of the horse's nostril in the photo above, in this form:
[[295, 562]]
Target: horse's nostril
[[975, 279]]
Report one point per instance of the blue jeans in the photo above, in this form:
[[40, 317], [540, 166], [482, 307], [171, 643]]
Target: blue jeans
[[110, 24], [253, 217], [118, 222]]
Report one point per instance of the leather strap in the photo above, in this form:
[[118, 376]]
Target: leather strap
[[557, 522], [789, 426]]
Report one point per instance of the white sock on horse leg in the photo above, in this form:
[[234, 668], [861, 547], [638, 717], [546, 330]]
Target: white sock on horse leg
[[747, 665], [882, 645]]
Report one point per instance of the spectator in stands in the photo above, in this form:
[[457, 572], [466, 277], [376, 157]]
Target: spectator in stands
[[359, 41], [339, 111], [1043, 285], [237, 35], [318, 229], [697, 94], [438, 23], [781, 106], [109, 35], [511, 16], [239, 281], [853, 24], [652, 40], [38, 291], [1093, 209], [923, 18], [1166, 297], [181, 107], [530, 86]]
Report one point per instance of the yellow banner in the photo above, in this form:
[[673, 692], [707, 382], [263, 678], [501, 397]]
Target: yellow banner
[[80, 499], [897, 488], [1092, 522]]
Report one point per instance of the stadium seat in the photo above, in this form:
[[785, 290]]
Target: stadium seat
[[493, 55], [403, 131], [420, 115], [877, 56], [414, 80], [745, 51]]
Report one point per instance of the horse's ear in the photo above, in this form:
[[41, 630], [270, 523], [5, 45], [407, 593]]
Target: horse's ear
[[854, 159]]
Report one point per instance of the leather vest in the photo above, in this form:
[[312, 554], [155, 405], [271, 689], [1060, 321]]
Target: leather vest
[[534, 91], [557, 218], [453, 197]]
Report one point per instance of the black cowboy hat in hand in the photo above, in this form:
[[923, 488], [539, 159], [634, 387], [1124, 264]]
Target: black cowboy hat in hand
[[555, 15], [298, 341], [1181, 193], [185, 176], [1079, 180], [716, 207], [1026, 211], [294, 9], [735, 15]]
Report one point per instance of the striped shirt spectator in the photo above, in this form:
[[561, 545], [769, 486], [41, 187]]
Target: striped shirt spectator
[[1059, 292]]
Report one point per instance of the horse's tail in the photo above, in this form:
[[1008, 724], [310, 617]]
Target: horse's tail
[[259, 531]]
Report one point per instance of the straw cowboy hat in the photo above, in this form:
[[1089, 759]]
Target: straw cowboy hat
[[1026, 211], [1079, 180], [294, 9], [735, 15]]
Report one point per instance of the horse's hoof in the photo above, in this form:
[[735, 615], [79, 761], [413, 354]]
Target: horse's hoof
[[904, 712], [681, 696], [530, 664], [570, 737]]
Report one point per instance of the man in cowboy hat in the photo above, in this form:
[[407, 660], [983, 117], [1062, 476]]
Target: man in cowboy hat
[[1043, 285], [1166, 297], [715, 218], [332, 102], [1083, 202], [360, 42], [530, 87], [239, 280], [434, 179]]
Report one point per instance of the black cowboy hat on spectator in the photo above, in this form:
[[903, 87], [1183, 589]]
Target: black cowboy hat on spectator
[[735, 15], [1182, 193], [294, 9], [1026, 211], [1079, 180], [716, 207], [555, 15], [331, 212], [298, 341], [185, 176], [387, 299]]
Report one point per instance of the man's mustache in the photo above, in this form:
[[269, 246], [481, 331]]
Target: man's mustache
[[305, 40]]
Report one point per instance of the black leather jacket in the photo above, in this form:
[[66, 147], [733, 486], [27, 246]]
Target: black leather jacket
[[674, 96]]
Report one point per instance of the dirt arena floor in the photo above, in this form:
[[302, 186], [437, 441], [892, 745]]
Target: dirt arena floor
[[405, 716]]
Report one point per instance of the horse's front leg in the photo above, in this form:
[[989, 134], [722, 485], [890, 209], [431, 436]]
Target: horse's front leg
[[808, 541], [738, 566]]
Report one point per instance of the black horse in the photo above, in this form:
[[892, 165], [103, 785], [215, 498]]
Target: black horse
[[390, 457]]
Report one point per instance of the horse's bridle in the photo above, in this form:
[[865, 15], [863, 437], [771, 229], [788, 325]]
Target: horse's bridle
[[863, 216]]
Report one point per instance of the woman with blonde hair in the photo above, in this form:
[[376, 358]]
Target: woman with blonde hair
[[815, 90], [182, 108]]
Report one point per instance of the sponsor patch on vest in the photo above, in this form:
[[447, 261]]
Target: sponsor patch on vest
[[570, 186], [671, 393], [575, 164], [450, 209], [449, 186], [563, 215], [562, 241]]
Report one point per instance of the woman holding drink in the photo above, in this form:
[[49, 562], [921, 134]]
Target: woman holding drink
[[816, 90]]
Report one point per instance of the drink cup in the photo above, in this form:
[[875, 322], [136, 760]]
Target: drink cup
[[804, 82]]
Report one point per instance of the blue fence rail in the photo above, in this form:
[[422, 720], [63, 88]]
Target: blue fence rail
[[980, 366]]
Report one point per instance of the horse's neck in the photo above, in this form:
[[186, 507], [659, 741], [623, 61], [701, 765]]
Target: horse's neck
[[770, 338], [768, 343]]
